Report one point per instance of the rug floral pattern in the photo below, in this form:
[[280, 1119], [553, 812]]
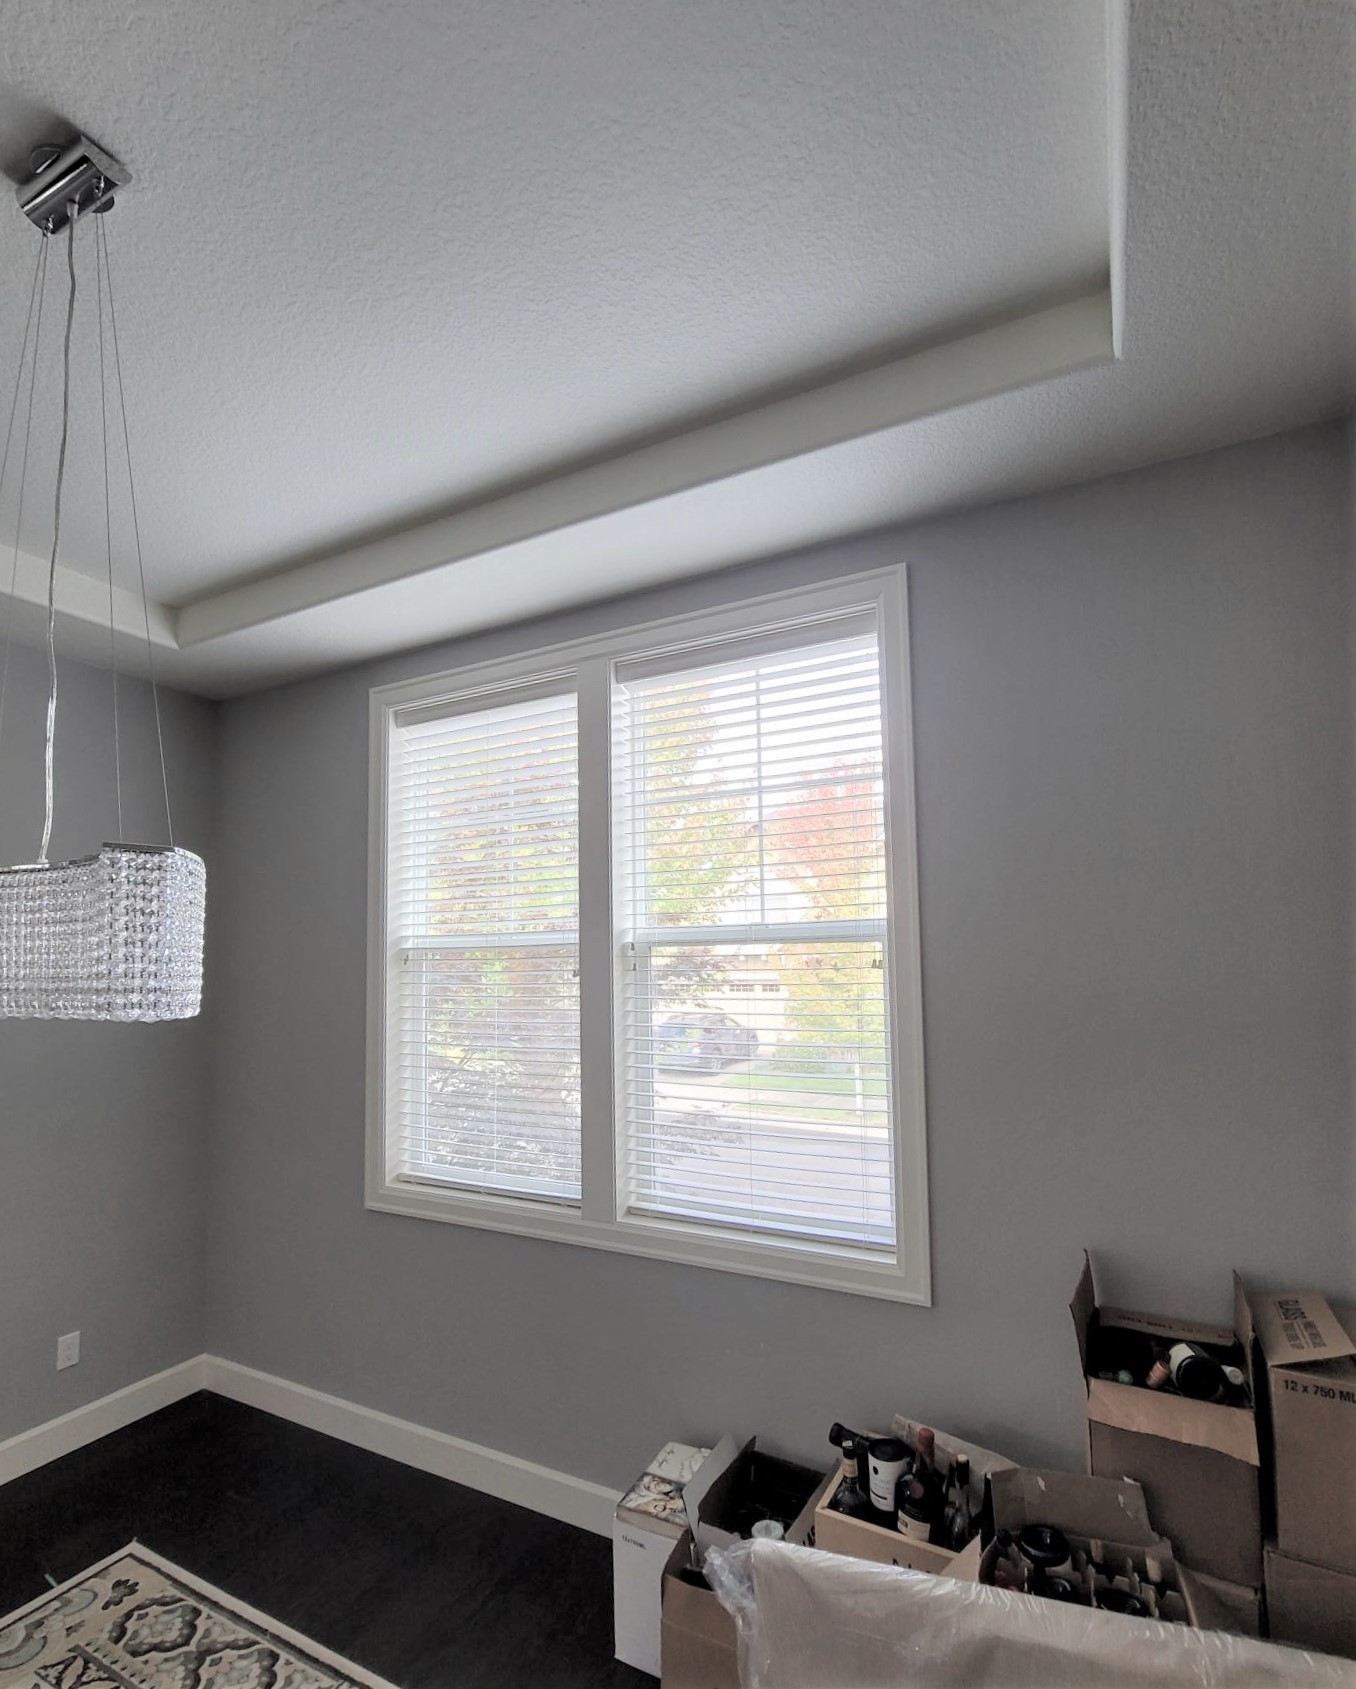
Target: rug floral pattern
[[132, 1623]]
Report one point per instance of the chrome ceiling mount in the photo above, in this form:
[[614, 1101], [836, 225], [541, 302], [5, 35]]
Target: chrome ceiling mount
[[80, 174]]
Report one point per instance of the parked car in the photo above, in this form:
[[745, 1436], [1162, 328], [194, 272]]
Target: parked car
[[705, 1041]]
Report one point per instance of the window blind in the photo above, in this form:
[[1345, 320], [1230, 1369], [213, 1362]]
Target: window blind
[[482, 934], [754, 1040]]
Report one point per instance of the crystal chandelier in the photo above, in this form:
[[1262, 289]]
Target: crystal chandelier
[[116, 935]]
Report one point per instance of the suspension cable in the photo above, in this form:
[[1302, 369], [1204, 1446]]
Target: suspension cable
[[39, 288], [108, 532], [136, 526], [49, 748]]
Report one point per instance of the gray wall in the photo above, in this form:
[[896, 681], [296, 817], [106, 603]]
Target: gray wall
[[1134, 788], [101, 1127]]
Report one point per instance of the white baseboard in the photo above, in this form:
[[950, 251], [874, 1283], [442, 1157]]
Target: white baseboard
[[31, 1449], [540, 1488]]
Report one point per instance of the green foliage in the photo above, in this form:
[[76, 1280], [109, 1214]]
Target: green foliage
[[502, 1020], [700, 844], [835, 1005], [830, 844]]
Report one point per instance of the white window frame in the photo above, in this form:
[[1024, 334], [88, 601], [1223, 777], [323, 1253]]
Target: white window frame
[[597, 1222]]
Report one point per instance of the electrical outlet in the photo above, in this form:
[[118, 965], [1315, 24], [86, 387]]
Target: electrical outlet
[[68, 1350]]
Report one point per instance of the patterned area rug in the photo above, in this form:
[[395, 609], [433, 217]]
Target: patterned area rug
[[137, 1622]]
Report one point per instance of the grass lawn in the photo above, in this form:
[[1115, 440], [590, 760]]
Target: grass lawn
[[767, 1076]]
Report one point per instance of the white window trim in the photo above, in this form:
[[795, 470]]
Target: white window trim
[[597, 1223]]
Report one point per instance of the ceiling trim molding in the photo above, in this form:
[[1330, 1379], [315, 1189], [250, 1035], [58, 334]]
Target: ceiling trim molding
[[1019, 352], [84, 599], [1118, 155]]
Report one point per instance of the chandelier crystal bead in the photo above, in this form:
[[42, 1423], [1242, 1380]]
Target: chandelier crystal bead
[[117, 936]]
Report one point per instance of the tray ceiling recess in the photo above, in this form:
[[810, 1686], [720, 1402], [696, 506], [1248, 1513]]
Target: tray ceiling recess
[[937, 257]]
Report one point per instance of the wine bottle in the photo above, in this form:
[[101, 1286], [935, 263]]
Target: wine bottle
[[850, 1498], [994, 1554], [853, 1446], [925, 1470], [957, 1524], [840, 1434], [914, 1513]]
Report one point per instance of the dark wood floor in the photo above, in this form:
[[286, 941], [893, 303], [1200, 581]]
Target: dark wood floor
[[424, 1582]]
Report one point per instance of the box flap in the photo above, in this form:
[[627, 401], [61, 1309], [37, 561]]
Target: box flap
[[965, 1566], [1243, 1330], [1169, 1329], [679, 1461], [1082, 1307], [1157, 1413], [1242, 1313], [721, 1458], [802, 1529], [1296, 1327], [1111, 1508]]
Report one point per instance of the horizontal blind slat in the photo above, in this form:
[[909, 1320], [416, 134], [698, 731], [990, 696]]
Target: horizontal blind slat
[[756, 1067], [483, 917]]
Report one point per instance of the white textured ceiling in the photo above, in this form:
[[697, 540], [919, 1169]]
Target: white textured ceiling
[[383, 262]]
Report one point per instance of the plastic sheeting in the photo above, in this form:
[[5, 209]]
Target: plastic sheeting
[[809, 1620]]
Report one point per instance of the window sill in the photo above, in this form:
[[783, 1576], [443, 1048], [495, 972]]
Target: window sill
[[822, 1267]]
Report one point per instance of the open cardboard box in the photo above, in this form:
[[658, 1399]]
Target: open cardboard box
[[1110, 1511], [754, 1486], [1309, 1352], [1197, 1461], [839, 1534], [1115, 1513], [698, 1646]]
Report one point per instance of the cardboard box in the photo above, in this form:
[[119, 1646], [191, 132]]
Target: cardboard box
[[750, 1487], [1197, 1461], [1117, 1514], [1308, 1352], [838, 1534], [651, 1517], [1312, 1606], [1112, 1511], [698, 1644]]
